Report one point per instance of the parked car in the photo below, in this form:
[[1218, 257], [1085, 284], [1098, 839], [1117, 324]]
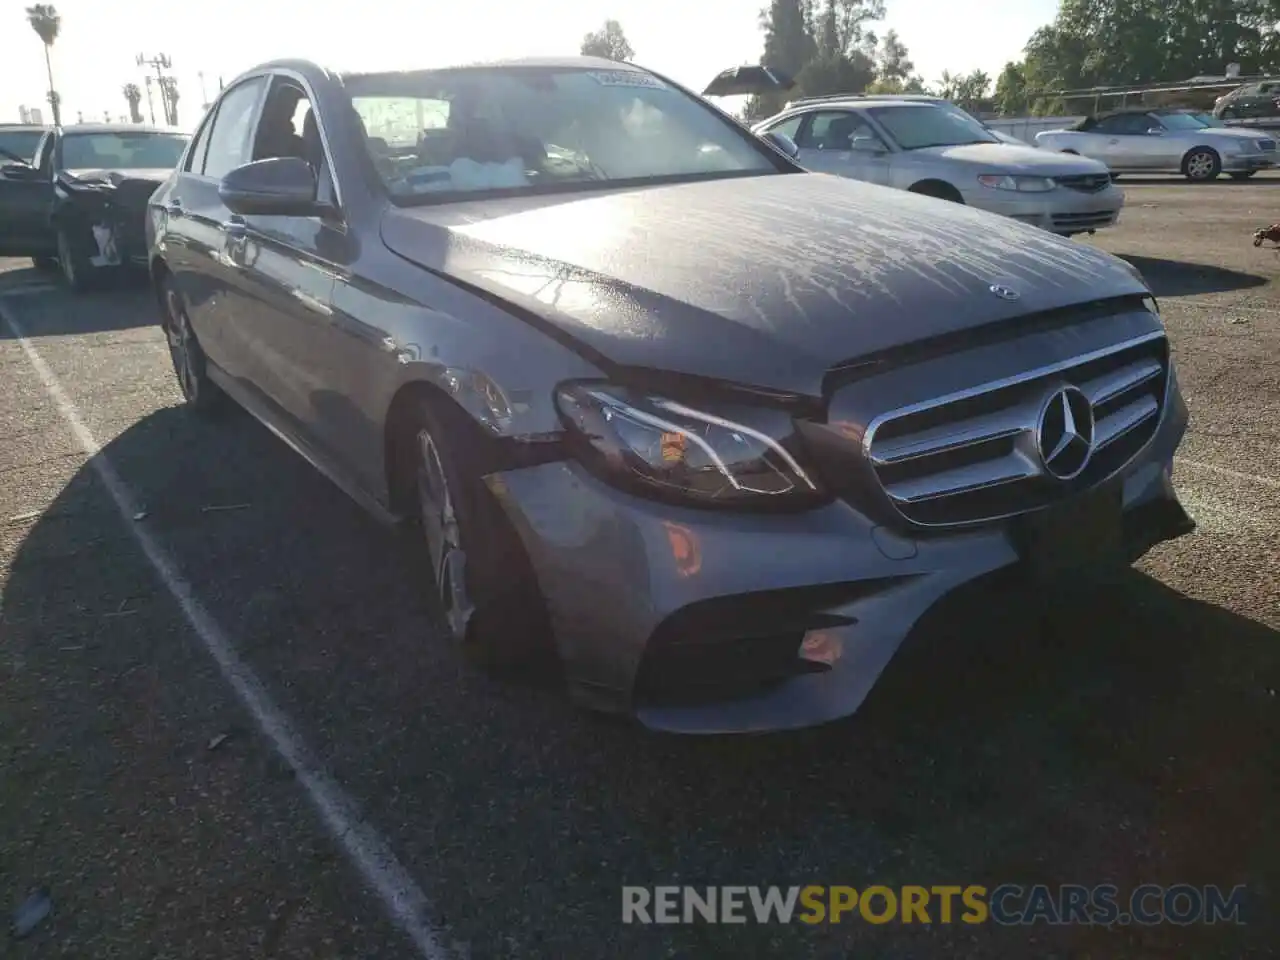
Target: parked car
[[18, 141], [1249, 101], [943, 153], [724, 428], [1164, 141], [913, 98], [80, 204]]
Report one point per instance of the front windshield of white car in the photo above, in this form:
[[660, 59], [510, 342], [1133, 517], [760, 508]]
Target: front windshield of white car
[[916, 126], [448, 134], [1208, 120], [1181, 121]]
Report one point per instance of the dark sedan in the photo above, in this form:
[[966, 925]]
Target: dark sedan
[[705, 430], [80, 203]]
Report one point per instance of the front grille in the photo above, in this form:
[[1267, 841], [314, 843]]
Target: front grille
[[1266, 145], [973, 456], [1085, 183], [1084, 221]]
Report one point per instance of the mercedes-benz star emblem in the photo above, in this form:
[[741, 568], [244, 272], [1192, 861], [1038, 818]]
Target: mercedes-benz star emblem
[[1003, 292], [1064, 433]]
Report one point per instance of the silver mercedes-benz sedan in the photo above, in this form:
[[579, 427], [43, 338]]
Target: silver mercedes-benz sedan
[[706, 431], [943, 152], [1165, 141]]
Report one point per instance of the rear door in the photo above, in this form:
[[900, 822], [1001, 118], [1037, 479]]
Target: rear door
[[25, 203], [200, 249]]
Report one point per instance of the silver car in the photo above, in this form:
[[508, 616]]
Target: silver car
[[1165, 141], [930, 150], [940, 102], [709, 431]]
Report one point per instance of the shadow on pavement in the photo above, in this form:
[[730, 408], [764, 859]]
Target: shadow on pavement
[[124, 302], [1180, 278], [1127, 739]]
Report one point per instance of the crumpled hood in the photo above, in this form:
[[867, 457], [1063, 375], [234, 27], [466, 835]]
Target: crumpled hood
[[1008, 158], [765, 280], [116, 177]]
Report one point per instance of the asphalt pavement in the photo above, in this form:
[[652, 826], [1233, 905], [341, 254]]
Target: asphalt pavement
[[230, 727]]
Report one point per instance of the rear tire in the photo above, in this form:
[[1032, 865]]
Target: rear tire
[[1201, 165], [481, 576], [199, 394]]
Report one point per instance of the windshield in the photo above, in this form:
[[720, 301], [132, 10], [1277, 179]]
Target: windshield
[[20, 143], [122, 151], [1180, 121], [917, 126], [1208, 120], [443, 134]]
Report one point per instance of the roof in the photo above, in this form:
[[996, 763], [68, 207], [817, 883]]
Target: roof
[[551, 63], [856, 103], [34, 127], [120, 128]]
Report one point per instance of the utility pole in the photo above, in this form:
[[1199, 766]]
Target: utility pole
[[161, 62], [151, 107], [204, 96]]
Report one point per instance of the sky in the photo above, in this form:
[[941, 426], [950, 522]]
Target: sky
[[689, 40]]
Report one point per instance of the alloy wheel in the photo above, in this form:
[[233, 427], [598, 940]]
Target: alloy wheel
[[182, 347], [440, 527], [1200, 165]]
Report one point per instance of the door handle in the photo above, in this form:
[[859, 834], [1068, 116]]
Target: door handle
[[174, 208], [1113, 140]]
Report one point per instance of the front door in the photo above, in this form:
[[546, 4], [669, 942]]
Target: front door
[[841, 142], [26, 199]]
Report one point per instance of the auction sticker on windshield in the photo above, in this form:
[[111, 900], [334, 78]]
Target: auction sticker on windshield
[[626, 78]]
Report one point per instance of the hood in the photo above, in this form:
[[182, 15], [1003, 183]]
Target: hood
[[154, 175], [767, 281], [1010, 158]]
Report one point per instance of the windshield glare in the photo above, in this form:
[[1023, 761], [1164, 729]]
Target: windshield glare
[[440, 134], [1180, 121], [122, 151], [915, 127]]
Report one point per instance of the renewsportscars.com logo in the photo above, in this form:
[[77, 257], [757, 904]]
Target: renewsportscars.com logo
[[1008, 904]]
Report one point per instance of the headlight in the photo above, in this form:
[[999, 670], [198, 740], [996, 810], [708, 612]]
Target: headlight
[[998, 181], [665, 449]]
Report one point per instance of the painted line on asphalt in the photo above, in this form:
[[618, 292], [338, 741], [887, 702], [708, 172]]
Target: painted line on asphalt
[[1228, 472], [368, 851]]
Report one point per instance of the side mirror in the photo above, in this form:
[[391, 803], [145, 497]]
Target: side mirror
[[1154, 131], [19, 171], [782, 143], [278, 187]]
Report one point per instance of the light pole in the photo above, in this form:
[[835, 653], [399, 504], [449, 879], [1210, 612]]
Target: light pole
[[204, 96], [161, 62], [151, 107]]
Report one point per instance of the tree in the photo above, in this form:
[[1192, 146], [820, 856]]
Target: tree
[[45, 21], [965, 90], [892, 62], [1011, 90], [134, 97], [608, 42]]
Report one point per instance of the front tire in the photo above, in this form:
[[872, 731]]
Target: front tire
[[1201, 165], [77, 271], [483, 583], [199, 394]]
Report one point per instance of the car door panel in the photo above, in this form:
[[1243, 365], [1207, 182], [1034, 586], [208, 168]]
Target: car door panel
[[25, 205]]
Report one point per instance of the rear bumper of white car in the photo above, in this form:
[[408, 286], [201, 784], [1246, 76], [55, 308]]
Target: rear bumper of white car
[[1064, 210]]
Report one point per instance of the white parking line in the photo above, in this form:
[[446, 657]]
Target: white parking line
[[1228, 472], [368, 851]]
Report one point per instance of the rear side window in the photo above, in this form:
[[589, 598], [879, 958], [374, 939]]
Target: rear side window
[[229, 140], [789, 127]]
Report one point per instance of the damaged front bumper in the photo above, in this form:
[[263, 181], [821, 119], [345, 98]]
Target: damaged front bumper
[[700, 622]]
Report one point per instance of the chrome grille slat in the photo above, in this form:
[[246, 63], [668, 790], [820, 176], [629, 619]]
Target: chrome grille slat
[[971, 456], [1114, 426], [1108, 387], [980, 476], [1000, 425]]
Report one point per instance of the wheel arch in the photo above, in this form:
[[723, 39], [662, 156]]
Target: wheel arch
[[935, 187]]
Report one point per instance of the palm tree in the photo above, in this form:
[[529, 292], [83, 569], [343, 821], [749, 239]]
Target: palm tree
[[134, 96], [45, 21]]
